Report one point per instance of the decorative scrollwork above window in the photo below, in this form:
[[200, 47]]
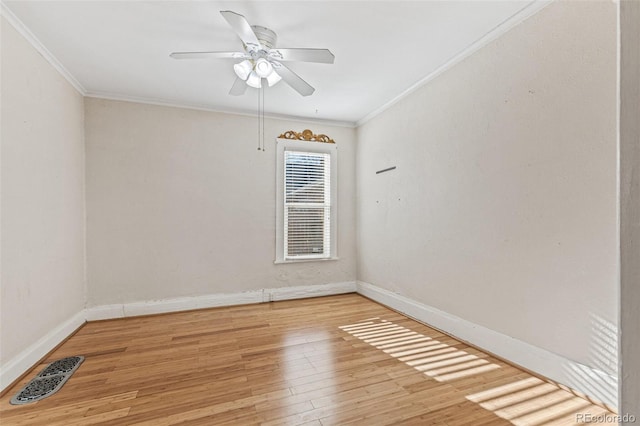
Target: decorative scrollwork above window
[[306, 135]]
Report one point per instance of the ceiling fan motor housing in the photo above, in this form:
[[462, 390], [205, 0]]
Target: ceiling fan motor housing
[[265, 36]]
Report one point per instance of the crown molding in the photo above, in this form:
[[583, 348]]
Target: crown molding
[[530, 9], [527, 11], [184, 105], [22, 29]]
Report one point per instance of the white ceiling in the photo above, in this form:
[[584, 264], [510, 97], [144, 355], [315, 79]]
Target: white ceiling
[[120, 49]]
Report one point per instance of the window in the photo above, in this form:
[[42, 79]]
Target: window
[[306, 210]]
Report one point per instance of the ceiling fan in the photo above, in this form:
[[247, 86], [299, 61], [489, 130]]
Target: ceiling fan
[[261, 60]]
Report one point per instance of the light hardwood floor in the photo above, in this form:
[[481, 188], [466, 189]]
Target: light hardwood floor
[[325, 361]]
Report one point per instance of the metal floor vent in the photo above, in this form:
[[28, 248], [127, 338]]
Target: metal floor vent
[[49, 381], [62, 366]]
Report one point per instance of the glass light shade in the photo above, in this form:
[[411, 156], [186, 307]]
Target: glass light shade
[[254, 80], [273, 78], [263, 68], [243, 69]]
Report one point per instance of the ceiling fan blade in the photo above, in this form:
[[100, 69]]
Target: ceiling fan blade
[[238, 88], [208, 55], [323, 56], [241, 28], [293, 80]]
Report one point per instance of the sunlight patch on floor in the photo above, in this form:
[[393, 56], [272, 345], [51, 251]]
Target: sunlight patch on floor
[[535, 402], [431, 357]]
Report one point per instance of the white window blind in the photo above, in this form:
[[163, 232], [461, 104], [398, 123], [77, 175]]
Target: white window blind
[[307, 205]]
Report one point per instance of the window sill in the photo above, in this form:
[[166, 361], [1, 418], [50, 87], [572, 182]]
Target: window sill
[[279, 261]]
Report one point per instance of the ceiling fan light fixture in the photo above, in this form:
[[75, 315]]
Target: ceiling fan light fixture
[[243, 69], [263, 68], [254, 80], [260, 58], [273, 78]]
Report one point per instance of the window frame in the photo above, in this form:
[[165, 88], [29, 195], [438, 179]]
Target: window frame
[[283, 145]]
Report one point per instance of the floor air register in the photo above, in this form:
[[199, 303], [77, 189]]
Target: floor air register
[[49, 381]]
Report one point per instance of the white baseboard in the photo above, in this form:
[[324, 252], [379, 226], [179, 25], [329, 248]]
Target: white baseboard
[[215, 300], [584, 379], [29, 357], [590, 381], [104, 312], [301, 292]]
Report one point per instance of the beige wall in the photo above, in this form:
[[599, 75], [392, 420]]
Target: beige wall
[[181, 203], [42, 197], [630, 207], [502, 209]]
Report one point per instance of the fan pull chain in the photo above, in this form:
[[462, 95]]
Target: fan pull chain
[[262, 90], [259, 123], [261, 119]]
